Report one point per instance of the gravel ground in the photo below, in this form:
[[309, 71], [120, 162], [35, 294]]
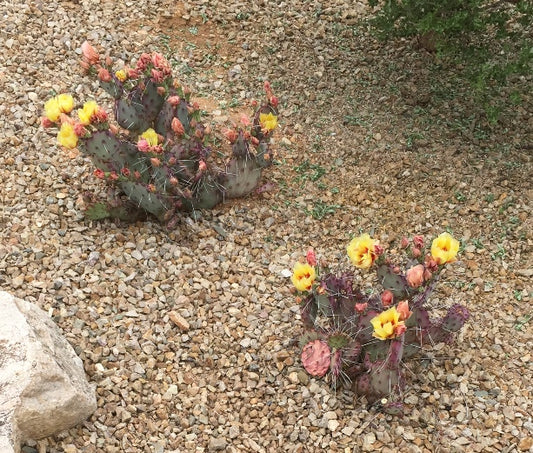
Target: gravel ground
[[188, 335]]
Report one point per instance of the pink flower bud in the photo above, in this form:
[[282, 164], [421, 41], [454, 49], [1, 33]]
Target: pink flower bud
[[125, 171], [378, 249], [418, 241], [231, 135], [157, 76], [177, 127], [104, 75], [404, 243], [100, 116], [403, 309], [89, 53], [274, 101], [415, 276], [113, 129], [99, 173], [173, 181], [417, 252], [387, 297], [267, 85], [113, 176], [245, 120], [255, 142], [132, 73], [173, 100], [311, 257], [45, 122], [161, 91], [108, 61], [202, 166], [151, 188], [360, 308], [79, 130], [399, 329], [136, 174], [427, 274], [155, 162]]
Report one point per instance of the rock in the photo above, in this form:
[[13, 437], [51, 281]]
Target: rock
[[179, 321], [525, 444], [217, 444], [44, 387]]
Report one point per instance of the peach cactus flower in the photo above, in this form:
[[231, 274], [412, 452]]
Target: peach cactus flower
[[303, 276], [444, 248]]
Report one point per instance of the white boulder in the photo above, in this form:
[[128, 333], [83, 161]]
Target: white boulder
[[43, 387]]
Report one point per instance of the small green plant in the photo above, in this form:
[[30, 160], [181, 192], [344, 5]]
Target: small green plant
[[321, 209], [362, 337], [157, 154]]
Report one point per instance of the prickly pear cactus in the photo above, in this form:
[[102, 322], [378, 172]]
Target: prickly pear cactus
[[369, 337], [157, 154]]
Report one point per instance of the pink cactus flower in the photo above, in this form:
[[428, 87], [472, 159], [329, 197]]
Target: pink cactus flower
[[387, 297], [99, 173], [132, 73], [415, 276], [360, 308], [143, 146], [89, 53], [316, 357]]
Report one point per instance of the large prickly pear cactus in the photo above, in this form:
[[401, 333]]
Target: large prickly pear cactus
[[158, 157]]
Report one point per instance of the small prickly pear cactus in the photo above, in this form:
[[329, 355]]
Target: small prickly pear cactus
[[364, 340], [157, 153]]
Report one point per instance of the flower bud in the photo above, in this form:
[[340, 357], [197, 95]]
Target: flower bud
[[177, 126], [45, 122], [104, 75], [113, 176], [311, 257], [274, 101], [231, 135], [202, 166], [360, 308], [99, 173], [403, 309], [404, 243], [161, 91], [125, 171], [387, 297], [415, 276], [173, 181], [143, 146], [91, 56], [417, 252], [418, 241], [173, 100], [155, 162]]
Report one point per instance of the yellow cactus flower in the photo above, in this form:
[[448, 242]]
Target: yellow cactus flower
[[85, 114], [268, 121], [67, 137], [65, 102], [150, 136], [121, 75], [444, 248], [362, 251], [53, 108], [387, 324], [303, 276]]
